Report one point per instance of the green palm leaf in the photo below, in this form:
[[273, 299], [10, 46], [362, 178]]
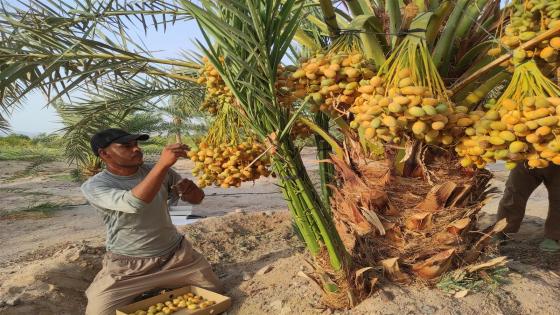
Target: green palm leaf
[[58, 46], [4, 125], [252, 37], [109, 106]]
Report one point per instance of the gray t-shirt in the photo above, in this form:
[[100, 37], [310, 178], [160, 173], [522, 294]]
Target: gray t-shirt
[[134, 227]]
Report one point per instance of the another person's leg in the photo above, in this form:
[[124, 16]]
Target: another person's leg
[[552, 224], [519, 186]]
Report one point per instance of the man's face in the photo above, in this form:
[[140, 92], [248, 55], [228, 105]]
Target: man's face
[[123, 154]]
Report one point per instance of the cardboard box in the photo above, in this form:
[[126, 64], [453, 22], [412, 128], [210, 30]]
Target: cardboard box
[[222, 302]]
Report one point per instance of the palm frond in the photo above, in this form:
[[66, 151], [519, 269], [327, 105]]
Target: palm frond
[[145, 121], [109, 106], [58, 46], [4, 125], [246, 41], [109, 16], [470, 24], [311, 34], [186, 104], [251, 51]]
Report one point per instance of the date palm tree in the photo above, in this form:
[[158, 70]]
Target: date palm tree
[[83, 51]]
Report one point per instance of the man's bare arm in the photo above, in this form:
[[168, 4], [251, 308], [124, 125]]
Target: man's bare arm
[[148, 188]]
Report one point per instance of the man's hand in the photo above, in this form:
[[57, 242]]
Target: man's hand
[[189, 191], [171, 153], [147, 189]]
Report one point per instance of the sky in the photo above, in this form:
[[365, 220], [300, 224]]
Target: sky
[[33, 117]]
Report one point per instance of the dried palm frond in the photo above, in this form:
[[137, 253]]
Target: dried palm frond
[[412, 226]]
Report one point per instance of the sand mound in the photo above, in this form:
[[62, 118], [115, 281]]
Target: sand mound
[[261, 263], [53, 285], [53, 280]]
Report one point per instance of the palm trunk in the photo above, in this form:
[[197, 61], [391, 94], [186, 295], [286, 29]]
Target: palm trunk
[[431, 235], [177, 122]]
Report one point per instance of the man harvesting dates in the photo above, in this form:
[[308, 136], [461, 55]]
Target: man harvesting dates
[[144, 249]]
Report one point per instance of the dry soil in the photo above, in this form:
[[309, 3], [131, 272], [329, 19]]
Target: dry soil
[[49, 258]]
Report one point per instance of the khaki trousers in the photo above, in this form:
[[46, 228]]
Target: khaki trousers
[[123, 278], [521, 182]]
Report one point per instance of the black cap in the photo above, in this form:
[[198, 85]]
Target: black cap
[[105, 137]]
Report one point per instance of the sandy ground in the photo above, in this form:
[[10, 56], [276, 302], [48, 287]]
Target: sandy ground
[[47, 261]]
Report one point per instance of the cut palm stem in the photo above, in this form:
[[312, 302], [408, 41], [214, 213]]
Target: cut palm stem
[[330, 17]]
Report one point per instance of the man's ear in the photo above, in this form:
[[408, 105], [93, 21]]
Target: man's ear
[[103, 154]]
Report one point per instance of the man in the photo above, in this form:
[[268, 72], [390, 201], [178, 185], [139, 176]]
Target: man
[[144, 250], [521, 182]]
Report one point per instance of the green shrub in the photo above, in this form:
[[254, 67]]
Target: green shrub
[[15, 140], [50, 140], [29, 153], [19, 147]]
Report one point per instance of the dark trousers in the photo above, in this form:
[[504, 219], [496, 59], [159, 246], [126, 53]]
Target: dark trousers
[[519, 186]]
